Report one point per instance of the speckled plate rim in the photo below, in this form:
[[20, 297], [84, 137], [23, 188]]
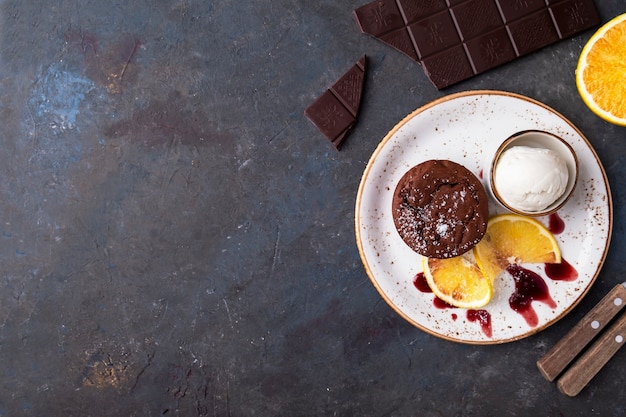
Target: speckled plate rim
[[391, 300]]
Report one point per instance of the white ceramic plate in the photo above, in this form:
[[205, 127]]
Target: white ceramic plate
[[467, 128]]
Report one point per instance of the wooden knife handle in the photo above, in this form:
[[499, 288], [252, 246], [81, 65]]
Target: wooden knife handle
[[561, 355], [588, 365]]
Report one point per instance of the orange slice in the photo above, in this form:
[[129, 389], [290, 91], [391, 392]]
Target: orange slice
[[489, 260], [515, 239], [601, 72], [458, 281]]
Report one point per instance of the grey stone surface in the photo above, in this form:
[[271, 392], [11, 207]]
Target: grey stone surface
[[177, 239]]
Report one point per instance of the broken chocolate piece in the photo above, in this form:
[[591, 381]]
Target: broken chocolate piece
[[335, 112], [456, 39]]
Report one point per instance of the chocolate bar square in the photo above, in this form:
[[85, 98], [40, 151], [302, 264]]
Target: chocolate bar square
[[433, 34], [533, 32], [476, 17], [514, 9], [414, 10], [490, 50], [379, 17], [572, 15]]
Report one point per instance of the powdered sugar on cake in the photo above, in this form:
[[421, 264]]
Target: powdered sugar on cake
[[440, 209]]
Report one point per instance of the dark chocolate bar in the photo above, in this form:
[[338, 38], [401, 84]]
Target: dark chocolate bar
[[456, 39], [335, 112]]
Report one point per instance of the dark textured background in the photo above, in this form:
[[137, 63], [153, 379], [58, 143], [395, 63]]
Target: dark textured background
[[177, 239]]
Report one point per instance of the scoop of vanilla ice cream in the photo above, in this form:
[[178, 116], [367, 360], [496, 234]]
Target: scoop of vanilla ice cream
[[530, 179]]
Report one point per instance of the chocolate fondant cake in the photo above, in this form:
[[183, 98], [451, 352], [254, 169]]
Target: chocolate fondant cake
[[440, 209]]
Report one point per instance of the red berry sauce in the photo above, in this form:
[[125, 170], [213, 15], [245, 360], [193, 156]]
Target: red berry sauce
[[529, 287], [483, 318]]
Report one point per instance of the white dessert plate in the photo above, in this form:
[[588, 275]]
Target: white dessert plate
[[467, 128]]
